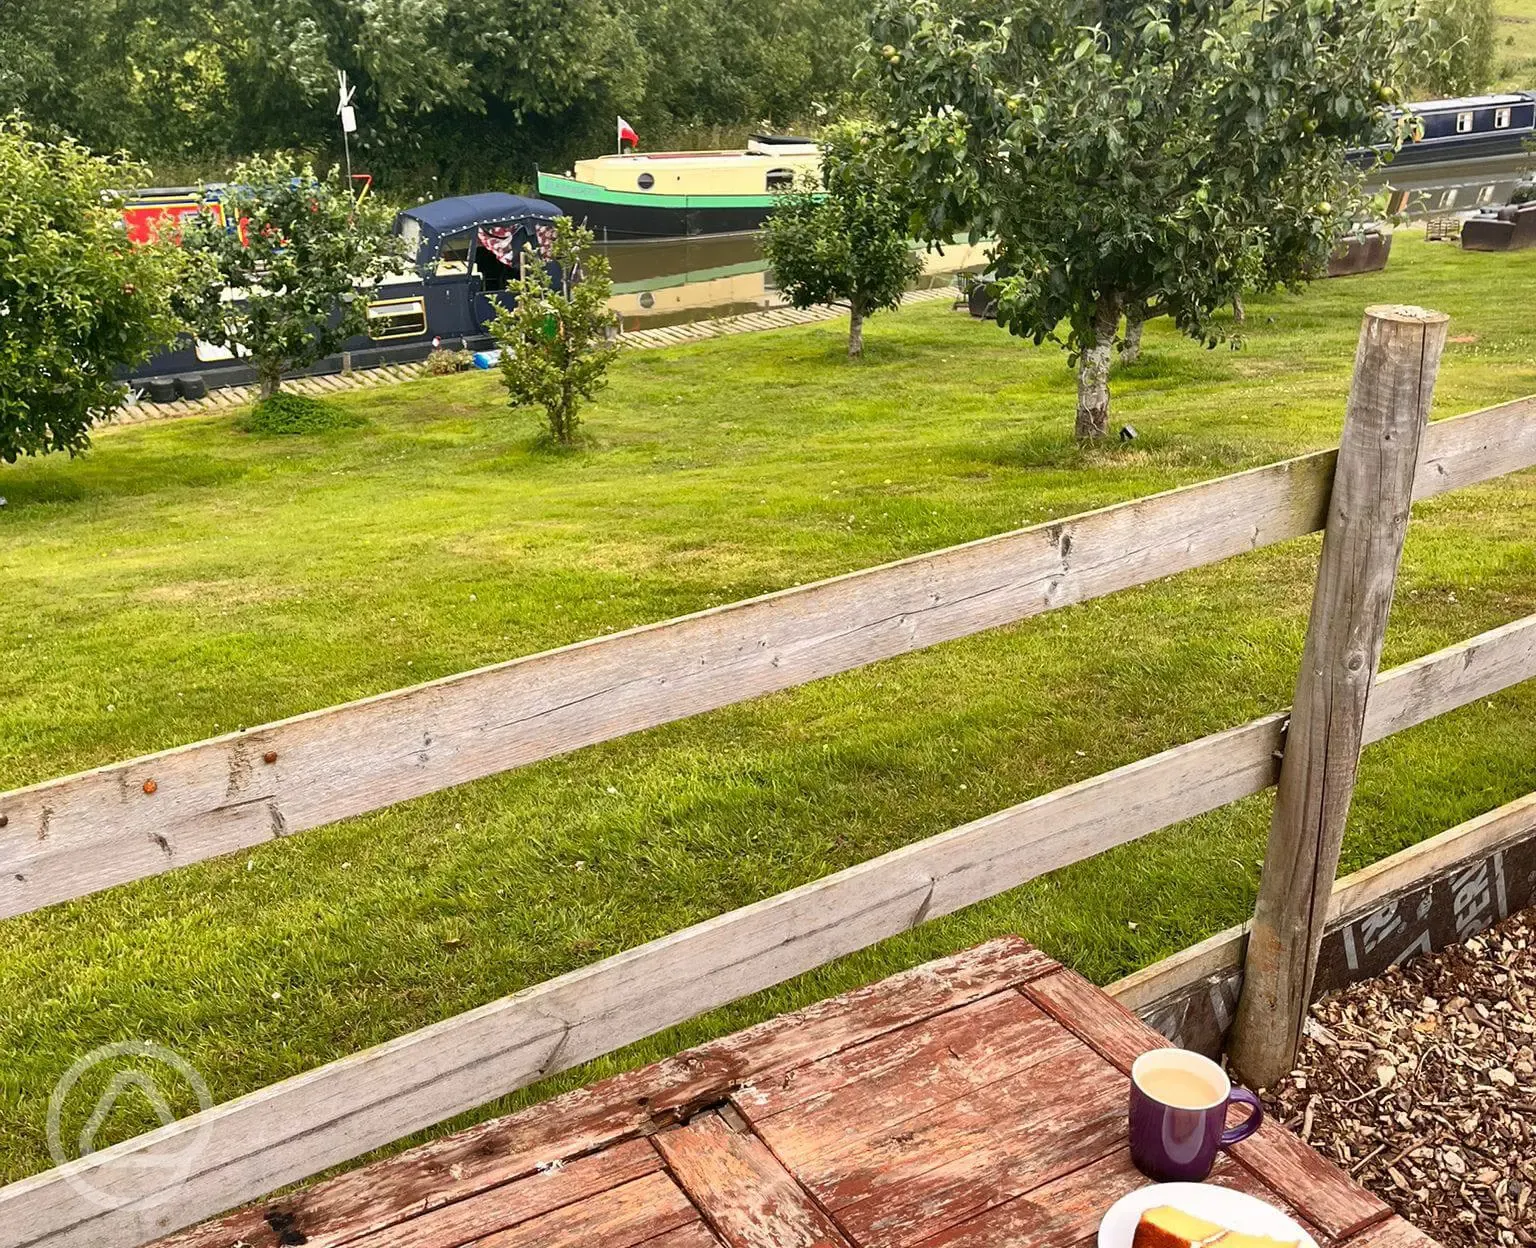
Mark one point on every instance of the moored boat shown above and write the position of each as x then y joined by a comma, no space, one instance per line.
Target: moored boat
462,253
1465,128
641,195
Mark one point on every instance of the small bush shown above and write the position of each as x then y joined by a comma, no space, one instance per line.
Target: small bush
555,339
285,414
442,362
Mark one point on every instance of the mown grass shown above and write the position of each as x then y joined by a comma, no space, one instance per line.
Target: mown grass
1515,45
186,579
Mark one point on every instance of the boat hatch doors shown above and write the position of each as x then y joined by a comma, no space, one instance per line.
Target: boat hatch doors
496,263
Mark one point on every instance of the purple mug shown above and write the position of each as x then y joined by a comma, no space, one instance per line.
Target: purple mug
1179,1105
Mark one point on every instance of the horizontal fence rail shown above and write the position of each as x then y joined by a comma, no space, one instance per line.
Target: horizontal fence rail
78,834
247,1147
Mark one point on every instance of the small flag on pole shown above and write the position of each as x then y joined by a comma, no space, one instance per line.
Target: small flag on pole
627,135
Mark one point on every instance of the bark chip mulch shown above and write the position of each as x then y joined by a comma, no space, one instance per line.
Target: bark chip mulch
1422,1084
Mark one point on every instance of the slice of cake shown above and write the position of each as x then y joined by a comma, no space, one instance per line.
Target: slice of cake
1167,1227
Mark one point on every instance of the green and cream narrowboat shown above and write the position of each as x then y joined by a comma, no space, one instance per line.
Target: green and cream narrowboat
672,194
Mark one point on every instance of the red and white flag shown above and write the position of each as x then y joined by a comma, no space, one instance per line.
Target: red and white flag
627,135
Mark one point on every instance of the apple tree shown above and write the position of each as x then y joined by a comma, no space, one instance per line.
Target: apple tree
845,239
79,303
288,286
1161,156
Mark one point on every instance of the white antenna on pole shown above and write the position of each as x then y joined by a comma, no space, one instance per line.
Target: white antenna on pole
348,116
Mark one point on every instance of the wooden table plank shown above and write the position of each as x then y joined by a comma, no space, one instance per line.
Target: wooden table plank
1324,1194
1395,1232
502,1207
696,1236
342,1209
1104,1024
622,1217
918,1175
747,1196
913,1068
1069,1209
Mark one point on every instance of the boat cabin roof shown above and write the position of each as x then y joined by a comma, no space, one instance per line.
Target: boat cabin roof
465,212
703,160
1465,103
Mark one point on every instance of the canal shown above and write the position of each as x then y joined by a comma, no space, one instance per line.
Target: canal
672,281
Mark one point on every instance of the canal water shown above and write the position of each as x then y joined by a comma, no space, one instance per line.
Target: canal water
672,281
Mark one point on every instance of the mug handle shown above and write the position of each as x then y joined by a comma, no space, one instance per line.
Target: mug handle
1243,1130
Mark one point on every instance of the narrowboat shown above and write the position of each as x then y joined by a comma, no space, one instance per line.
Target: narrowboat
1466,129
463,252
641,195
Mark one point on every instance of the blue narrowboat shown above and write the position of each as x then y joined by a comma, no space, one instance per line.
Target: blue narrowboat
1465,129
464,251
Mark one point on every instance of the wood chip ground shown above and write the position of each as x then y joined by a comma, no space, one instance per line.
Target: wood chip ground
1422,1085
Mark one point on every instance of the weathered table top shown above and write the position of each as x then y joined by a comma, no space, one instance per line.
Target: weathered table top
978,1100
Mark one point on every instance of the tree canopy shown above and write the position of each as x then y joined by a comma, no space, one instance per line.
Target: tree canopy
1174,153
79,303
844,240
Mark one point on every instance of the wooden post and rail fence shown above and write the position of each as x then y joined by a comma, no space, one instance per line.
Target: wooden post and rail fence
79,834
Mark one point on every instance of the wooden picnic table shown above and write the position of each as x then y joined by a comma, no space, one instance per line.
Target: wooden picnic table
974,1102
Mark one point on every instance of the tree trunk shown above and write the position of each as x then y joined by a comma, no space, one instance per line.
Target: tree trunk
1239,313
1135,318
1093,372
269,380
856,333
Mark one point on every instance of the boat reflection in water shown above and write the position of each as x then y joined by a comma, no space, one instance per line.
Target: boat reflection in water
1451,187
677,280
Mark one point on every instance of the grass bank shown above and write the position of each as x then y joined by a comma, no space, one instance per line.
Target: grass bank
1515,45
187,578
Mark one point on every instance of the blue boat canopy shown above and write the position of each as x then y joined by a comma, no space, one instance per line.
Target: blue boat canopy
426,224
465,212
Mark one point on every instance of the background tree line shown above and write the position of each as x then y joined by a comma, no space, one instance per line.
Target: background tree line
460,95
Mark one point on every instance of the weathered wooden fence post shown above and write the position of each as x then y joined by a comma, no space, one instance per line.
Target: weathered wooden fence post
1395,366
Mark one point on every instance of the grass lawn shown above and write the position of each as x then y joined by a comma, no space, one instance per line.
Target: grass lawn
1515,45
184,579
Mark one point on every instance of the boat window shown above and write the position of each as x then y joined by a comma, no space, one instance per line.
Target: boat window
1485,196
397,318
1463,123
1448,199
1501,119
781,179
645,181
453,256
207,353
409,230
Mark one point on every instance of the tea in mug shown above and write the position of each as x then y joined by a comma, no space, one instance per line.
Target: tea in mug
1180,1087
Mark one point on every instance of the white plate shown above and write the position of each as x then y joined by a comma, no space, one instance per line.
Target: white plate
1237,1211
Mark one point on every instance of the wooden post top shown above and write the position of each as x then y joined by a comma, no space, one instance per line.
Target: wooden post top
1405,312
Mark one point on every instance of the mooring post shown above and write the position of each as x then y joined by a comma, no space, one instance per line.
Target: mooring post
1395,366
